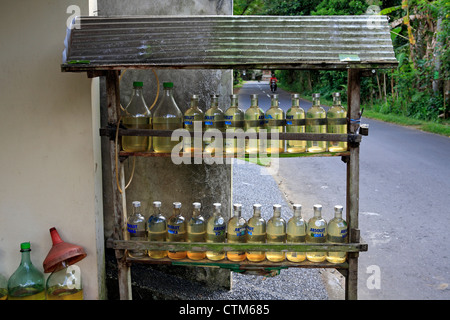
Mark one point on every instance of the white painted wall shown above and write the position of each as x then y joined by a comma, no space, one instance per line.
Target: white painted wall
50,164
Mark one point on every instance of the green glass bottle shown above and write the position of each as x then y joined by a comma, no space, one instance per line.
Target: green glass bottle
273,116
316,123
316,232
65,283
234,119
256,233
295,123
27,282
196,231
136,115
157,230
193,119
214,120
3,288
337,233
276,233
176,231
337,123
254,121
167,116
216,232
296,233
236,233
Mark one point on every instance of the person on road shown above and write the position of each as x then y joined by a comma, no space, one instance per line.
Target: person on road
273,83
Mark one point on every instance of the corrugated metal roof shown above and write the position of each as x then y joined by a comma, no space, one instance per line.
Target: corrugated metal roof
219,41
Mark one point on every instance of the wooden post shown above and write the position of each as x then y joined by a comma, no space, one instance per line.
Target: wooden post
118,198
353,113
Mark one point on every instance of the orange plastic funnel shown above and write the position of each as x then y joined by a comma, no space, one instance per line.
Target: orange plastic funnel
61,251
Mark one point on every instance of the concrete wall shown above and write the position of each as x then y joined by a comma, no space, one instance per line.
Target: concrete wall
50,160
158,178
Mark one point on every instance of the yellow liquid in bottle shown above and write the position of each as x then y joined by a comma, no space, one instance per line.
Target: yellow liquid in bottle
295,113
236,233
337,233
314,125
191,116
234,120
176,232
256,233
316,233
157,236
296,233
276,233
61,293
215,233
136,143
3,294
254,121
28,293
196,233
336,113
164,144
276,146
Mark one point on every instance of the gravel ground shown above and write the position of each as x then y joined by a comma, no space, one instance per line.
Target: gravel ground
251,184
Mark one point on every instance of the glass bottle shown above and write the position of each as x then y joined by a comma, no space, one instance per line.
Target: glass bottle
337,233
65,283
234,120
256,233
137,229
296,233
276,233
176,231
157,230
316,123
273,118
295,123
3,288
316,232
337,123
196,230
214,120
191,116
136,115
27,282
236,233
254,121
215,232
167,116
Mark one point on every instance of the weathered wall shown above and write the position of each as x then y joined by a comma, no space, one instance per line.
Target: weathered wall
158,178
50,149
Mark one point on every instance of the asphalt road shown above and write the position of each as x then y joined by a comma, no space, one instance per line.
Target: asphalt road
404,203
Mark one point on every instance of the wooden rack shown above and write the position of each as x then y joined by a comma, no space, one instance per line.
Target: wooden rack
212,33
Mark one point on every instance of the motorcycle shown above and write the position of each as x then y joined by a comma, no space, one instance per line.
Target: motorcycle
273,85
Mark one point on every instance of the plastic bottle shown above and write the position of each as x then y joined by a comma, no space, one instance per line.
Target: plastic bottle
167,116
157,230
137,229
136,115
27,282
196,229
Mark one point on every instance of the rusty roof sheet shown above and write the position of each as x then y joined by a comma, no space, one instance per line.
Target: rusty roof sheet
273,42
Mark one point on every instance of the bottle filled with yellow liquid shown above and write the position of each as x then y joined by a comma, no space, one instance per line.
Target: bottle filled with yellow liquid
234,120
274,119
256,233
254,121
27,282
216,232
196,230
157,230
193,116
337,123
3,288
276,233
65,283
316,232
337,233
167,116
136,115
214,121
236,233
295,123
316,122
136,227
176,231
296,233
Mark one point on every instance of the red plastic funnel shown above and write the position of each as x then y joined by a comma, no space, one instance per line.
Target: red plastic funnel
61,251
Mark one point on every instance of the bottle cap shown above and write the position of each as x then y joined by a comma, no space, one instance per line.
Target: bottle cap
277,207
336,94
338,208
274,96
136,203
317,207
25,246
237,207
295,96
138,84
254,96
157,204
257,206
233,96
197,205
213,95
297,206
316,95
177,205
168,84
194,96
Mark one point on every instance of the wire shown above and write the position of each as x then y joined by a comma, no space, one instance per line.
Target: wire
117,136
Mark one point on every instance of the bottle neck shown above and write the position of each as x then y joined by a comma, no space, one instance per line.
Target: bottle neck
26,257
317,213
214,102
234,103
168,92
274,103
176,211
195,213
237,213
257,213
194,103
295,103
297,212
157,211
337,101
254,103
316,101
